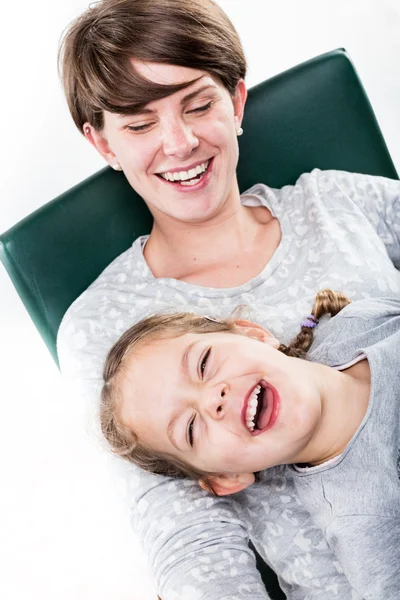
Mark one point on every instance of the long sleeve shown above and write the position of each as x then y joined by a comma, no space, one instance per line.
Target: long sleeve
196,544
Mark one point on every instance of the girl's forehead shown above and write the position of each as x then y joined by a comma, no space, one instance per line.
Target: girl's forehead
156,353
164,354
169,357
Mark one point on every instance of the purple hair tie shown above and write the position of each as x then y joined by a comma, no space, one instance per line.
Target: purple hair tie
310,322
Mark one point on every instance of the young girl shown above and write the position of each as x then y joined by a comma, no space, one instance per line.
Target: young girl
216,401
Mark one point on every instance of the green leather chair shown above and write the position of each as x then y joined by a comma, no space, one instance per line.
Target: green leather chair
313,115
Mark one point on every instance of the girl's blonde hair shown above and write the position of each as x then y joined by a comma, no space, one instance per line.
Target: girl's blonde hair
122,440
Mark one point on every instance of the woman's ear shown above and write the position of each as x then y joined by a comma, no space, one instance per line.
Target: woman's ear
97,139
239,101
256,331
223,485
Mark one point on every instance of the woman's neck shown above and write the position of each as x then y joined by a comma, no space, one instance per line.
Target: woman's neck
345,399
200,252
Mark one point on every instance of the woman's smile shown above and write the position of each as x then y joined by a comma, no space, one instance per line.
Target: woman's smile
190,179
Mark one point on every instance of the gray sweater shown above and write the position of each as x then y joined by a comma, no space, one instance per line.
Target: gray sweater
355,499
339,230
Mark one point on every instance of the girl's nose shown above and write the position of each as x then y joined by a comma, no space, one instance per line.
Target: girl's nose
179,140
215,401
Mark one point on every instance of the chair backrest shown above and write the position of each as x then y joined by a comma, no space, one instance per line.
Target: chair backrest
314,115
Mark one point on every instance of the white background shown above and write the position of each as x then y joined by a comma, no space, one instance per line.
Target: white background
64,531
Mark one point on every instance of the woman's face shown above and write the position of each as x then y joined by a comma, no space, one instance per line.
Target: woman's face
180,153
195,397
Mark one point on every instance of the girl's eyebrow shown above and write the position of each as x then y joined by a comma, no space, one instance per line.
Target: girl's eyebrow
176,414
186,356
171,430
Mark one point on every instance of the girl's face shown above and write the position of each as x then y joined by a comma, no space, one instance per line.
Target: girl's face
180,153
195,397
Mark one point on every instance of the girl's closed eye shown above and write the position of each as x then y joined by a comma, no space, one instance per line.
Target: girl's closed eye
203,363
191,431
202,368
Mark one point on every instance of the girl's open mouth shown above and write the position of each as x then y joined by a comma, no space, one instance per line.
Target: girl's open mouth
261,408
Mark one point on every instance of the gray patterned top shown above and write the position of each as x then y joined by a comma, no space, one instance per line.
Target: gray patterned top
339,230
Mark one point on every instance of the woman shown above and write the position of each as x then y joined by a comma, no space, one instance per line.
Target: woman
157,87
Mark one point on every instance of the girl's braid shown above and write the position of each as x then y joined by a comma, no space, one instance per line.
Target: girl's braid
326,302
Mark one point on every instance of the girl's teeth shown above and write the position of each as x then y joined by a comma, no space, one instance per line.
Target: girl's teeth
252,408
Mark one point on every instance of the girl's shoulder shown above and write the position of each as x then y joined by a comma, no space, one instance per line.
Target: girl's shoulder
356,328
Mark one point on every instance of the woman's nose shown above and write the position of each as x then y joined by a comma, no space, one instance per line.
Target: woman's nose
179,140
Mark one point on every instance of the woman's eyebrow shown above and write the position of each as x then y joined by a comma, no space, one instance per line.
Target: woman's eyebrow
192,95
144,110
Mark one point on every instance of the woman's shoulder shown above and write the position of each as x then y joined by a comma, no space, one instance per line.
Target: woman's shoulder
312,183
365,199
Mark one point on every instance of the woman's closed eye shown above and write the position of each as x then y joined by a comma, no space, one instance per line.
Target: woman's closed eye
146,126
203,108
139,128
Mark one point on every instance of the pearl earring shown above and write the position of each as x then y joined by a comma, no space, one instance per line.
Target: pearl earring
117,167
239,131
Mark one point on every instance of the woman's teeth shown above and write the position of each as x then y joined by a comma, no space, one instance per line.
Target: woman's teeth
183,176
252,408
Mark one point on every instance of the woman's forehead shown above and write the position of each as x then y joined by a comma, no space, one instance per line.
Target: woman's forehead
166,74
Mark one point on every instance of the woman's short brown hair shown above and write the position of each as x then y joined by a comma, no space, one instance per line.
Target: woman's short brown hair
96,49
